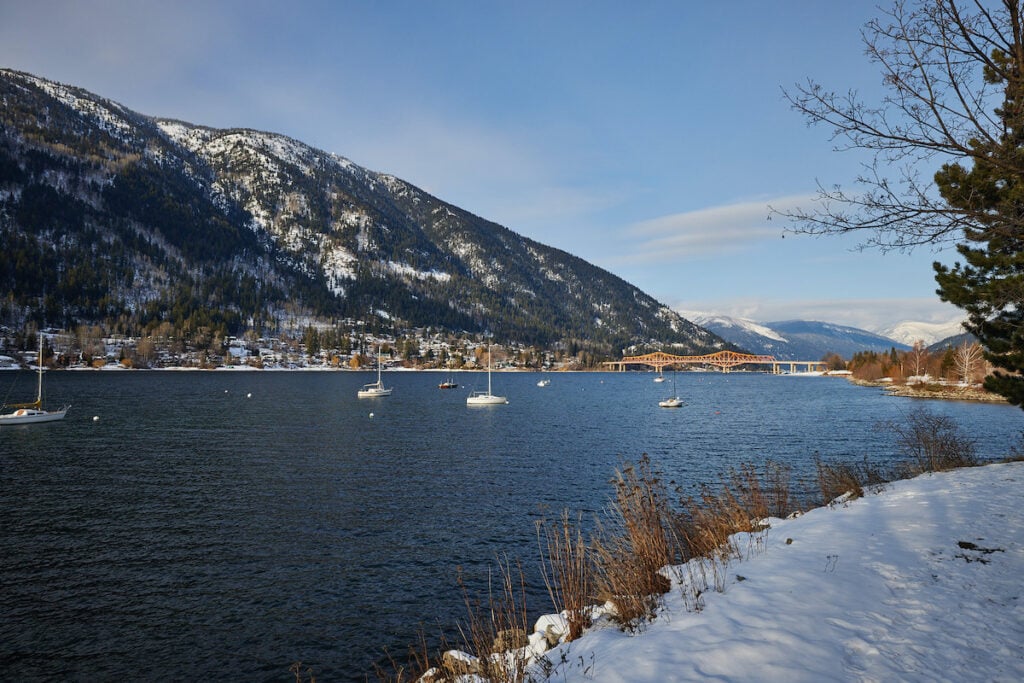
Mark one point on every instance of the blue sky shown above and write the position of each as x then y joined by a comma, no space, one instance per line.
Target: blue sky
646,137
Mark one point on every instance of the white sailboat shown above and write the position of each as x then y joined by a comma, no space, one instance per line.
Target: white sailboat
30,413
672,401
480,398
660,377
376,388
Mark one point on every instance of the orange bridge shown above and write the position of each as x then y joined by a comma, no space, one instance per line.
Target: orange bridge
726,360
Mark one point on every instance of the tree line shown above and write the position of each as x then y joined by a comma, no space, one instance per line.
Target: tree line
960,364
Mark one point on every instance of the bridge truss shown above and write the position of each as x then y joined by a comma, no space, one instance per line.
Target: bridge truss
724,360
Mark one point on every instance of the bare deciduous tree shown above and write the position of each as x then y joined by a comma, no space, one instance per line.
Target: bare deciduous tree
968,359
918,357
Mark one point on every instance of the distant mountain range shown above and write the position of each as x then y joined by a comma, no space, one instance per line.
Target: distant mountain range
111,216
794,339
810,340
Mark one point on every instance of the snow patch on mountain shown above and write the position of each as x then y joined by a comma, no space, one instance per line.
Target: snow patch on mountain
725,322
909,332
104,112
408,271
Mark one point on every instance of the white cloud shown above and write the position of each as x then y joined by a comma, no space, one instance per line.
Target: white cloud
711,231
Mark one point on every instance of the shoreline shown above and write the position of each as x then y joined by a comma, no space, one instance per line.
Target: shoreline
948,392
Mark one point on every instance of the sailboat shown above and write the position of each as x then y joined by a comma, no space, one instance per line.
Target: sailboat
29,413
660,377
672,401
479,398
376,388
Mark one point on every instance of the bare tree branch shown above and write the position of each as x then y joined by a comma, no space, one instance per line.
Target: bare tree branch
945,84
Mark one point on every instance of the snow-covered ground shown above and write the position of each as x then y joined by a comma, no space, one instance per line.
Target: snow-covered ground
923,581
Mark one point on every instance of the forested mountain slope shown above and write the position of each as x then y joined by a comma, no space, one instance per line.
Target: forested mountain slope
113,217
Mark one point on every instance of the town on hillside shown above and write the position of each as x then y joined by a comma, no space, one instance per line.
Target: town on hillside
314,349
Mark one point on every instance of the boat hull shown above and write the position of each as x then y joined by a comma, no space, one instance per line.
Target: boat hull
372,393
31,416
486,400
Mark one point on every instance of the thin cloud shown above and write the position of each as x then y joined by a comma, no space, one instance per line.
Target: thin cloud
714,230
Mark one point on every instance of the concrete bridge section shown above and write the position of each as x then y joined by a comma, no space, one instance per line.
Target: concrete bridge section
725,360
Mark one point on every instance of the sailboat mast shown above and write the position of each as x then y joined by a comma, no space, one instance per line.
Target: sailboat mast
39,365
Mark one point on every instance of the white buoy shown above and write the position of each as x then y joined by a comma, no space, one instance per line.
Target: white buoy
225,391
95,418
249,395
371,416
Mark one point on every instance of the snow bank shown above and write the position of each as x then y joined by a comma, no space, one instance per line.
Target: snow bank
919,582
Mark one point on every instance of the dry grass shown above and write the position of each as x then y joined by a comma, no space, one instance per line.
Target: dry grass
492,636
567,571
745,499
415,667
496,629
928,442
639,540
836,480
302,675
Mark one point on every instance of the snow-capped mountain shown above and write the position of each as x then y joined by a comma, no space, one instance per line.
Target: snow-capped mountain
793,339
909,332
745,334
111,216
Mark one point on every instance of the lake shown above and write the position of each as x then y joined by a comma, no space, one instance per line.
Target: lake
227,524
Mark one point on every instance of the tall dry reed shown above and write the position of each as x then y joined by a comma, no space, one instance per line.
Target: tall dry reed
638,542
568,571
707,522
496,628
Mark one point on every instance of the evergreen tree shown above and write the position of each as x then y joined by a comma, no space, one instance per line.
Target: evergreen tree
989,284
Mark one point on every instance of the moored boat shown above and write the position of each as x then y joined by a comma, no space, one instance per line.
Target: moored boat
672,401
377,388
481,398
32,412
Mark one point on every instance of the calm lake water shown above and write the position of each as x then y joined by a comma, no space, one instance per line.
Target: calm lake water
226,524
